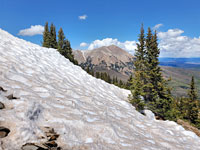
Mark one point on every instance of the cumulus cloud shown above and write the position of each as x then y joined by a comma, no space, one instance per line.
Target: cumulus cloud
83,44
33,30
174,44
156,27
83,17
130,46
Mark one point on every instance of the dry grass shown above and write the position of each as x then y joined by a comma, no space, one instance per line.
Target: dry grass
188,126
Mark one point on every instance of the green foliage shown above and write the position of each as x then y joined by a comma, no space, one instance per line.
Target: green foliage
129,83
46,36
136,95
53,41
148,81
61,39
192,106
188,108
64,47
106,77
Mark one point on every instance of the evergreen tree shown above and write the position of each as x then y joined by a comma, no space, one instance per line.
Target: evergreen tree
97,75
88,70
61,39
53,41
192,93
139,79
148,84
158,94
64,47
109,79
192,104
92,72
116,81
46,36
129,83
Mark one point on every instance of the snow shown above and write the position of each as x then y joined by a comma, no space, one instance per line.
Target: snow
86,112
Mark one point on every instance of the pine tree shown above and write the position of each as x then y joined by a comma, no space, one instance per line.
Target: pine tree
109,79
92,72
46,36
135,98
129,83
61,39
192,93
139,79
64,47
192,104
158,94
88,70
97,75
148,85
53,41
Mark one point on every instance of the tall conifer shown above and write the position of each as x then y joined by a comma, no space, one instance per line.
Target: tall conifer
192,107
139,80
46,36
53,41
61,38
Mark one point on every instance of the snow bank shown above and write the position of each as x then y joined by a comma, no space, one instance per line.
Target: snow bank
86,112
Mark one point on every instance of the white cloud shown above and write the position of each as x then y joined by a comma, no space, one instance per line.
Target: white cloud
156,27
33,30
171,43
83,17
83,44
130,46
174,44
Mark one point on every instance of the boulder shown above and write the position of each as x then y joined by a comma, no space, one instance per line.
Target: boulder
10,97
32,146
1,89
2,106
4,132
50,144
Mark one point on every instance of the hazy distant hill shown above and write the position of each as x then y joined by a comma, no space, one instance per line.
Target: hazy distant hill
188,63
118,62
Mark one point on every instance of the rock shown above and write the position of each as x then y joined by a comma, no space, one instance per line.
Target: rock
10,97
32,146
53,137
2,106
4,132
1,89
50,144
56,148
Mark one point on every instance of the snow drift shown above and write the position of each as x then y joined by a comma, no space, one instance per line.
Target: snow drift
87,113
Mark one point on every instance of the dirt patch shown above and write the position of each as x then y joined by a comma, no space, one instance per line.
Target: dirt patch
189,127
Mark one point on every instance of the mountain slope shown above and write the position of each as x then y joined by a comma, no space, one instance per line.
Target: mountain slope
181,79
111,59
123,67
42,90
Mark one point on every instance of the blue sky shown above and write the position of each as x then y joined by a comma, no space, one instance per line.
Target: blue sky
117,20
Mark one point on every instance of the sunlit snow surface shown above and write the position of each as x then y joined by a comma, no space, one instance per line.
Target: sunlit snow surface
87,112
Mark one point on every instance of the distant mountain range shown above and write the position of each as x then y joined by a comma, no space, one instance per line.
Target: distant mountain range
189,63
118,62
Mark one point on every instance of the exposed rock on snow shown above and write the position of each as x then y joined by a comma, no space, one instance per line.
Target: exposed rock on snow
2,105
4,132
85,112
